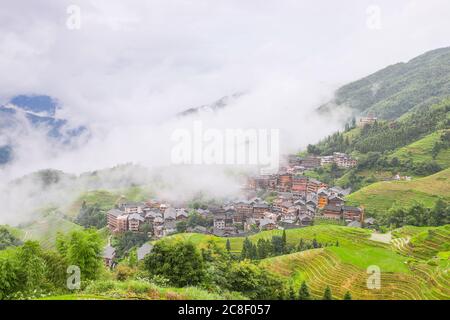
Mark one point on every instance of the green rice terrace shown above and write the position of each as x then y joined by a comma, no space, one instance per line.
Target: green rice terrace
381,196
414,265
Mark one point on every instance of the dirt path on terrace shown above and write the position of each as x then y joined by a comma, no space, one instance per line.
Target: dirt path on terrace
381,237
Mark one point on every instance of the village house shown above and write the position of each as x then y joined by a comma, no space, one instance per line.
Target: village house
108,255
342,160
305,219
284,182
170,214
335,201
112,219
326,160
259,209
182,214
370,223
322,198
310,163
352,213
290,216
158,227
170,226
132,207
151,215
223,221
267,224
144,250
332,212
312,186
299,184
244,210
134,222
363,121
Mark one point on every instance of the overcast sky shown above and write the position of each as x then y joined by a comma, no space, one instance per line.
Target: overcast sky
134,63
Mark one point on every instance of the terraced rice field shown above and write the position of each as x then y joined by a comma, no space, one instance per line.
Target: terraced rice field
346,236
321,268
422,243
409,265
46,229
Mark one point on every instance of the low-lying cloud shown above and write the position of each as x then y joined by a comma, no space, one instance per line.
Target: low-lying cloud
132,66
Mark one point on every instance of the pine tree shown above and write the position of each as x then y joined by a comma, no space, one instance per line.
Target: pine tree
348,296
315,244
228,245
301,245
303,293
284,240
292,295
327,294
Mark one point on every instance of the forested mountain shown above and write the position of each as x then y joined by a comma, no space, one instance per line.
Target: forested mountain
399,88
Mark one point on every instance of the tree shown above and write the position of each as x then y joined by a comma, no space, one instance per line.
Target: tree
291,293
327,294
32,265
315,244
277,245
303,293
127,241
7,239
264,248
253,281
9,274
284,241
347,296
440,214
91,216
228,246
181,263
181,226
83,249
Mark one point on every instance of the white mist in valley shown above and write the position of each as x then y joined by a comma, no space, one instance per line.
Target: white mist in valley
132,66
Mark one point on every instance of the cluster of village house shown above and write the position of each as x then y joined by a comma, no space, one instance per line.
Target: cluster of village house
296,201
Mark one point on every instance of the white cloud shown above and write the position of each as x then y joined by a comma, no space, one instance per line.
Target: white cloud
134,64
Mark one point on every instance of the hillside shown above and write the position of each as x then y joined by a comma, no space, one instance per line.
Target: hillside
422,150
344,267
399,88
381,196
46,229
352,237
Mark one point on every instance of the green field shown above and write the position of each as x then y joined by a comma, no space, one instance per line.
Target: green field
107,199
349,237
421,151
381,196
419,272
139,290
45,230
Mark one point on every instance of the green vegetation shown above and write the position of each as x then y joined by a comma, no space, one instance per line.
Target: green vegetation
46,229
28,271
381,196
180,262
7,238
82,249
422,150
399,88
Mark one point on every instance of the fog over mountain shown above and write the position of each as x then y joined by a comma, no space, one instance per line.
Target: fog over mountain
131,67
